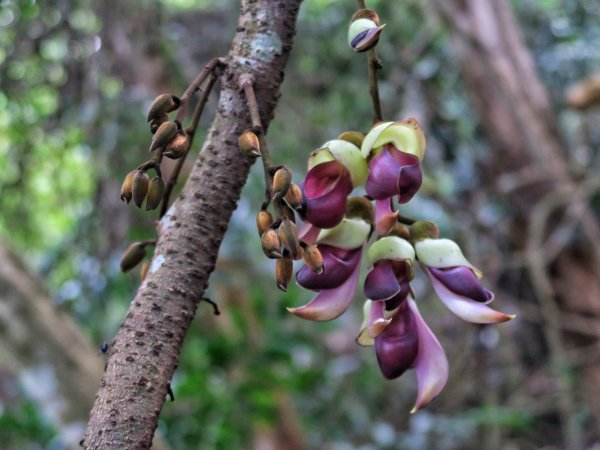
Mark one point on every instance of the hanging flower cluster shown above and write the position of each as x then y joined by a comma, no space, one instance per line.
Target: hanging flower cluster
337,228
334,238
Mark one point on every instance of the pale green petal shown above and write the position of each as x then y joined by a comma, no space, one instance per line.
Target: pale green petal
357,27
390,247
371,137
349,234
406,135
349,155
319,156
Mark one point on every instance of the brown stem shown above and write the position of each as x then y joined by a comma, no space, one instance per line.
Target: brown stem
191,131
146,349
247,85
374,66
195,85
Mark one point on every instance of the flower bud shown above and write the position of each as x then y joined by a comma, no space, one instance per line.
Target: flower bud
264,220
271,244
364,30
127,187
141,182
281,182
284,269
155,193
354,137
288,235
155,123
359,208
132,256
423,229
313,259
165,133
177,147
162,105
249,144
294,196
144,270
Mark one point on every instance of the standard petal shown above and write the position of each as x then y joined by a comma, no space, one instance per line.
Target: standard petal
464,308
398,346
325,190
339,264
385,218
442,253
348,234
330,303
382,282
431,363
462,281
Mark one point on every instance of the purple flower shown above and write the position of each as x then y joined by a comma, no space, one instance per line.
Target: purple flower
394,151
457,282
341,248
333,171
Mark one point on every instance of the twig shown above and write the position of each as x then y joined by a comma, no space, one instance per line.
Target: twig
195,85
374,66
214,305
191,131
247,85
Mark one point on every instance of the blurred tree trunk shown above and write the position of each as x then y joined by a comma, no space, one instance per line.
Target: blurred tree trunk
59,365
529,169
145,352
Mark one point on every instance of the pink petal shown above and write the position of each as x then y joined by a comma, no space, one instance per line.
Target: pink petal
465,308
309,233
325,190
385,218
431,363
398,345
339,264
330,303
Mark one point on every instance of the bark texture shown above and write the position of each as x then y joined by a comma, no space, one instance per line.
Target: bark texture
145,351
529,167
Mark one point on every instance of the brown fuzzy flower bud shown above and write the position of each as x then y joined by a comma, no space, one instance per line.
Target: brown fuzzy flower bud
177,147
313,259
294,196
133,256
162,105
288,234
141,182
264,220
354,137
155,193
271,244
281,182
284,268
165,133
144,270
249,144
126,188
154,124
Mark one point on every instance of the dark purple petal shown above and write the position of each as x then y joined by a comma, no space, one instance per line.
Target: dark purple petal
325,190
381,282
398,346
393,172
338,264
397,300
329,304
462,281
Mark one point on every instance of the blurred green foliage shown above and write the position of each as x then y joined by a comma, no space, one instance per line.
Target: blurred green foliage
72,125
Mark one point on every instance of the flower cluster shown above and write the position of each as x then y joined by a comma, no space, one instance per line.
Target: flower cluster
334,237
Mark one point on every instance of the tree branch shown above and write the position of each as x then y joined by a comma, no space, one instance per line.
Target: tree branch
146,349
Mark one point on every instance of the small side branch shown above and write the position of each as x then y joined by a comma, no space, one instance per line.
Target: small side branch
374,66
